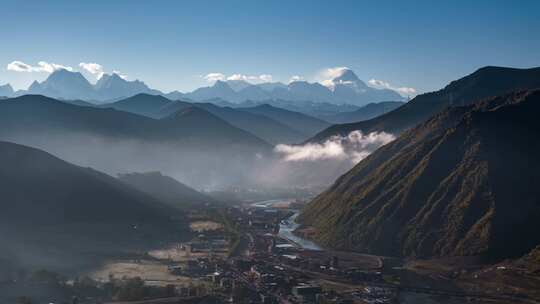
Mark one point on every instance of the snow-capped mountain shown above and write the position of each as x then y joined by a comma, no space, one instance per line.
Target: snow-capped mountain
6,90
64,84
345,88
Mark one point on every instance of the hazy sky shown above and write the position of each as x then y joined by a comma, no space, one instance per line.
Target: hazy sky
173,44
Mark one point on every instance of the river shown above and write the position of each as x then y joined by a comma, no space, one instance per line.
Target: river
287,226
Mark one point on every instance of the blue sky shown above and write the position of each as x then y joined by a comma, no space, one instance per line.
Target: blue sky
173,44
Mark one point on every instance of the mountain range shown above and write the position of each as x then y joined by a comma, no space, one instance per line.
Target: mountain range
182,144
190,125
64,84
485,82
461,171
266,122
345,88
461,183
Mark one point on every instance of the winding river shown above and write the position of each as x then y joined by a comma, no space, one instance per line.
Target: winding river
287,226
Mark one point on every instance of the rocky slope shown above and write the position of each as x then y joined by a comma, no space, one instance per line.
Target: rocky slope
462,183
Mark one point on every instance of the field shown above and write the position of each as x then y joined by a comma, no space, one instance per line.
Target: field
152,272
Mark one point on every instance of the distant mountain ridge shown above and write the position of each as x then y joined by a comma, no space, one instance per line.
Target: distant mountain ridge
285,127
345,89
461,183
64,84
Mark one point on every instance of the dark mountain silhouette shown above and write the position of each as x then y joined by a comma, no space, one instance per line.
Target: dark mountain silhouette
200,126
260,125
156,106
42,114
172,108
142,104
55,214
485,82
78,102
166,189
297,121
192,145
153,106
366,112
461,183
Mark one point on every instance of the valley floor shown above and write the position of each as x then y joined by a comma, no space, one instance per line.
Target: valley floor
249,253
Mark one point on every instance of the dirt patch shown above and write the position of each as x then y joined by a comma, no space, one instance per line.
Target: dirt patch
180,254
202,226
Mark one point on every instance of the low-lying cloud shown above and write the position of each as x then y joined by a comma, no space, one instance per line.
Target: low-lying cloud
353,147
381,84
42,66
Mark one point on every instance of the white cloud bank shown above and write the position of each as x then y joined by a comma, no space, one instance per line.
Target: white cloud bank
93,68
213,77
381,84
120,74
42,66
296,78
354,147
326,76
331,73
98,70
